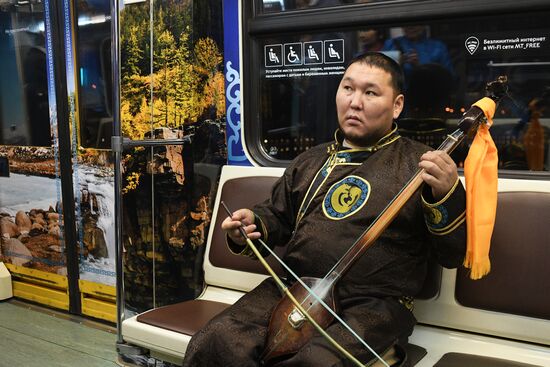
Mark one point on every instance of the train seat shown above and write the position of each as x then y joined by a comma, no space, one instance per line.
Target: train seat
453,330
502,320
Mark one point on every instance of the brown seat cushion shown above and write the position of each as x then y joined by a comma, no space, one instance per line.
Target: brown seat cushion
472,360
414,353
242,192
520,253
186,317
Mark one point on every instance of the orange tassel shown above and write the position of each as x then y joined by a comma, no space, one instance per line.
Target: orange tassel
481,174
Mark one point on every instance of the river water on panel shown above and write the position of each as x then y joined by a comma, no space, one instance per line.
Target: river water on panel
98,182
22,192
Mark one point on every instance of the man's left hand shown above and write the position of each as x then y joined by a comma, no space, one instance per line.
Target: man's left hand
440,172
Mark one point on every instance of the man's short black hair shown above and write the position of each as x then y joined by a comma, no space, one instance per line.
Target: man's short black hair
384,62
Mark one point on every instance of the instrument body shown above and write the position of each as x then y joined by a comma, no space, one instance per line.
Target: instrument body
292,327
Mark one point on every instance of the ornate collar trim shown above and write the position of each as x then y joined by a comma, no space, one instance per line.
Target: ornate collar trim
337,145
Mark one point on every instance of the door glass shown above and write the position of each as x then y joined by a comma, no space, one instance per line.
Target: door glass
93,53
31,219
24,116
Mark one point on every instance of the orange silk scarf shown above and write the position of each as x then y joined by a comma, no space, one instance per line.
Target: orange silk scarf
481,174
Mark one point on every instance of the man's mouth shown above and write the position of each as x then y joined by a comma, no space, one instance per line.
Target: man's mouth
353,119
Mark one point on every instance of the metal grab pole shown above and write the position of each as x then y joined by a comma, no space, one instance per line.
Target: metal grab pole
116,146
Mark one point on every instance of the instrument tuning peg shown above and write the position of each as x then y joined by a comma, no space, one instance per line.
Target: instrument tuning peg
497,88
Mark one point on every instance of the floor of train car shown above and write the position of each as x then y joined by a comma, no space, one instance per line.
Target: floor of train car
33,336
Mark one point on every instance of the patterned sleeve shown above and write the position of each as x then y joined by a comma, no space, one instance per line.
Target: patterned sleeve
446,222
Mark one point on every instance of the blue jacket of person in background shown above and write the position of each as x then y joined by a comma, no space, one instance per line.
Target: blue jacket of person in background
417,49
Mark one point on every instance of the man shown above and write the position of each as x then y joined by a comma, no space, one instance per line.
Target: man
418,49
325,200
371,39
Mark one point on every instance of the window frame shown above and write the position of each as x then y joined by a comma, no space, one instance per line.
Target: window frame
255,24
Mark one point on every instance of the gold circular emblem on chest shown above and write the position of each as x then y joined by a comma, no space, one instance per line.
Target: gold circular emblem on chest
346,197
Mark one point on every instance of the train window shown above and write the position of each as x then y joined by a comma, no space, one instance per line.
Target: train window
446,64
93,52
24,116
274,6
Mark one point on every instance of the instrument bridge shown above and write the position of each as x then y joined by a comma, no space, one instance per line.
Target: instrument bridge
296,318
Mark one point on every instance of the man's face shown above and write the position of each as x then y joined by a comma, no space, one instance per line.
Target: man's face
368,37
415,32
366,104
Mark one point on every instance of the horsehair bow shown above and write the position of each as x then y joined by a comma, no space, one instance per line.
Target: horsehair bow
297,304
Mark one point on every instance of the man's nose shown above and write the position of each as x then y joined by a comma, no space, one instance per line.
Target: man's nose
356,100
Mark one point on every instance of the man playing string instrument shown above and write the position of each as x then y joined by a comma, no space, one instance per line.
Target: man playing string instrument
325,200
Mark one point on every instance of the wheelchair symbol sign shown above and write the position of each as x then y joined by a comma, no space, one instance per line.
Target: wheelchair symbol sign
293,54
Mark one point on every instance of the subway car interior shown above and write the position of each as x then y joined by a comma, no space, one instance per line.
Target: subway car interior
129,129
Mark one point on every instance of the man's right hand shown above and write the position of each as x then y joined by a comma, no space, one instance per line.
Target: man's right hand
240,217
411,57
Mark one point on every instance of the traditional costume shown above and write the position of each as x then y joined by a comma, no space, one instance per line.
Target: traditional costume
325,200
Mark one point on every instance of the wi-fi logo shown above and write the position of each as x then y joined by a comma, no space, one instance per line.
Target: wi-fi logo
472,43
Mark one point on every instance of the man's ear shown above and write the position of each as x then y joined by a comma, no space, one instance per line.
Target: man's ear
398,104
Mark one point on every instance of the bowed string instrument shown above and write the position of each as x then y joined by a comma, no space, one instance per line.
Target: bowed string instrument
310,305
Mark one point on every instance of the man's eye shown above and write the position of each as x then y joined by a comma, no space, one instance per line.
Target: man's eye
347,87
370,93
